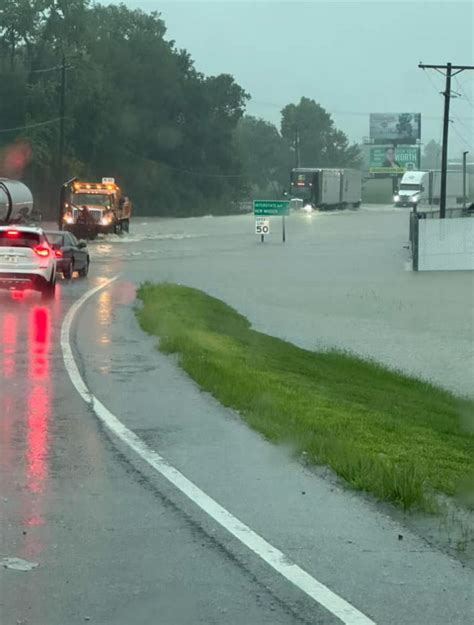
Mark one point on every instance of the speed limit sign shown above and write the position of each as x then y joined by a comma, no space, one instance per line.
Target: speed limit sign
262,226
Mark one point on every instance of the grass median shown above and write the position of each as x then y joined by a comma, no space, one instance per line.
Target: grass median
396,437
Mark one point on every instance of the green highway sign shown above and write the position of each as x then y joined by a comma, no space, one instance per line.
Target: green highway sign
279,208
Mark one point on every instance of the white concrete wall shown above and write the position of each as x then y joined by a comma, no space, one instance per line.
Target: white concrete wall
446,244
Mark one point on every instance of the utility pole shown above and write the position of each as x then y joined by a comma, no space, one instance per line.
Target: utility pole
448,69
297,147
444,150
62,100
464,177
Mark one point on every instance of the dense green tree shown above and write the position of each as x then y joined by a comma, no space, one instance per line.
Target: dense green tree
310,131
136,108
265,155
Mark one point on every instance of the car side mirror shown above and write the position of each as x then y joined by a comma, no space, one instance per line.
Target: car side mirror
82,244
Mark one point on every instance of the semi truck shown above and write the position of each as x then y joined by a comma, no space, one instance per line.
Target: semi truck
90,208
16,202
326,188
423,188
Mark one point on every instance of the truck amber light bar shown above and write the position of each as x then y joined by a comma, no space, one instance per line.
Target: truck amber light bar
94,186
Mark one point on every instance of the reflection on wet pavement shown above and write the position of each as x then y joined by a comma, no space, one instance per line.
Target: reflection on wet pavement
104,317
25,409
39,399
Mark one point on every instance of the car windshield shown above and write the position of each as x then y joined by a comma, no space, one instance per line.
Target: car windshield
17,238
409,187
55,238
91,199
302,178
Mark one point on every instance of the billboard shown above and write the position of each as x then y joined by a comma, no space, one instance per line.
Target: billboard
388,159
397,127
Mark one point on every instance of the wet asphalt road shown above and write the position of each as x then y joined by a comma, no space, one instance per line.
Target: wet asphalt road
115,543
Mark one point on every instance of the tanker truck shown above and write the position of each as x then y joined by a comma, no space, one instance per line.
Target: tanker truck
16,202
90,208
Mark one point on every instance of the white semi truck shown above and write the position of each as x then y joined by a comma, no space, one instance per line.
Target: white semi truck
16,202
326,188
423,188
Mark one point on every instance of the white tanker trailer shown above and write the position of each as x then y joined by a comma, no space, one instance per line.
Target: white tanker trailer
16,202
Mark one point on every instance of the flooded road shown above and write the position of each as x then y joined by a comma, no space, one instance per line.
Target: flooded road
107,540
341,280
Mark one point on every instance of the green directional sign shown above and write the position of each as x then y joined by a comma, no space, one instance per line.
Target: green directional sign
271,207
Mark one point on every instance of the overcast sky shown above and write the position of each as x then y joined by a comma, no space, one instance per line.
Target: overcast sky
352,57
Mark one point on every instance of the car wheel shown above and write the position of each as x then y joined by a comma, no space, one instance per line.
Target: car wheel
85,270
68,271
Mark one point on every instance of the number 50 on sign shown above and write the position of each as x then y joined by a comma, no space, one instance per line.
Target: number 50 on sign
262,226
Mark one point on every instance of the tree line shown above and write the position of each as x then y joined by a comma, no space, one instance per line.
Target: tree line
136,108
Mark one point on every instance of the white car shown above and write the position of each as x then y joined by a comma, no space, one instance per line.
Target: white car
27,260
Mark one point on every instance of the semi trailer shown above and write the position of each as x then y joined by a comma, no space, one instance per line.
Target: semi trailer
326,188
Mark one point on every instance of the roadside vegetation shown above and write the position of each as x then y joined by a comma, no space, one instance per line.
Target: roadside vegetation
396,437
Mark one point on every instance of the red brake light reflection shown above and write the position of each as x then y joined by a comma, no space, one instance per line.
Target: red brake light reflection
58,253
41,250
13,234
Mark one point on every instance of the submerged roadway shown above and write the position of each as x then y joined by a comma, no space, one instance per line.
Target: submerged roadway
130,497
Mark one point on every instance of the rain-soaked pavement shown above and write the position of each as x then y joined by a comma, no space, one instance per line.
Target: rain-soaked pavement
113,541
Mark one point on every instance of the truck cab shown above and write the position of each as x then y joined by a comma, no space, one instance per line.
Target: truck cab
91,208
413,189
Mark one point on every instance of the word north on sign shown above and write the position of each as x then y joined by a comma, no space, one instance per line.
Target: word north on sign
262,225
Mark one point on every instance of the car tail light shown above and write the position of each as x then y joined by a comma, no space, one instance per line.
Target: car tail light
58,253
41,250
13,234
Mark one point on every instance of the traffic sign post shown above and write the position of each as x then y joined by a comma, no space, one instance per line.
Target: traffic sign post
270,208
262,227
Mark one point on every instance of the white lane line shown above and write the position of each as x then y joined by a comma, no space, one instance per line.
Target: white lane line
320,593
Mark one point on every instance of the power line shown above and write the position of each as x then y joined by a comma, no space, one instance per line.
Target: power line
461,89
462,138
353,113
449,71
455,117
433,84
28,126
467,129
197,173
46,69
203,174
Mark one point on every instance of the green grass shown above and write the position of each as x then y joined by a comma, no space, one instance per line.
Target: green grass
383,432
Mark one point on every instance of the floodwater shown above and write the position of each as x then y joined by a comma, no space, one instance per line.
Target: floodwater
341,280
89,533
